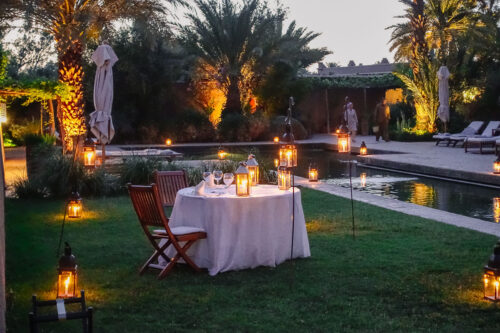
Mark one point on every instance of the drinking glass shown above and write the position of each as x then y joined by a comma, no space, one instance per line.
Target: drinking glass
206,177
217,176
228,179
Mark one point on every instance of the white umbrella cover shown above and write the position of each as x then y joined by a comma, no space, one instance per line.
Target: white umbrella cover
444,94
101,123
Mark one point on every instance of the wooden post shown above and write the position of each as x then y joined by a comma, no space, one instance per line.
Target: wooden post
52,118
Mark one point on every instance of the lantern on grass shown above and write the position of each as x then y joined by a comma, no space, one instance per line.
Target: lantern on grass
313,172
67,274
89,154
284,178
168,142
491,277
496,166
221,153
363,150
75,206
253,169
344,142
242,180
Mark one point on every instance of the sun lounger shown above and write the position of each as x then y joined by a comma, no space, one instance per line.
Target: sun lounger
472,129
487,133
480,143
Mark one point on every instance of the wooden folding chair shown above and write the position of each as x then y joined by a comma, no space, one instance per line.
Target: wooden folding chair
147,205
169,182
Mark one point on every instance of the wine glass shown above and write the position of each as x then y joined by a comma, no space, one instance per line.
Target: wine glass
217,176
206,177
228,179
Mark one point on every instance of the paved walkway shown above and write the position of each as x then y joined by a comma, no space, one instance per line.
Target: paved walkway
405,207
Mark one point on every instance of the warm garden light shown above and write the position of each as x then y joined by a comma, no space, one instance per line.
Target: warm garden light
344,142
276,139
168,142
491,277
242,180
284,178
67,274
89,154
363,150
253,169
496,210
363,179
221,154
288,155
313,173
496,166
276,162
3,113
75,206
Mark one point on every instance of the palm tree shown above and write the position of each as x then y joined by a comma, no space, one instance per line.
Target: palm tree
72,23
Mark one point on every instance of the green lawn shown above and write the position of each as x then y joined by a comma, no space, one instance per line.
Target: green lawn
402,273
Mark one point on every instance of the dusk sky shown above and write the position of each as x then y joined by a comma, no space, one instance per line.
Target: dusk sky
352,29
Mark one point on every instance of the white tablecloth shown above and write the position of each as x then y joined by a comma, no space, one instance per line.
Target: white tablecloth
242,232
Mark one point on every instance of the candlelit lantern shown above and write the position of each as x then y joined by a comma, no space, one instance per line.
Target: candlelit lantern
242,180
75,207
363,150
276,139
168,142
313,173
284,178
337,131
496,166
221,153
363,179
344,142
253,169
496,210
67,274
491,277
89,154
288,156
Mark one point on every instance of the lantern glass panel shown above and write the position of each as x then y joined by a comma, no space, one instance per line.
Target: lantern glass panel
89,156
496,167
66,284
363,151
313,174
222,154
491,281
344,143
254,174
288,156
284,178
242,185
75,208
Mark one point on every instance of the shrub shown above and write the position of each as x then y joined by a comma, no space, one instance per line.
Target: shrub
410,136
258,127
234,127
192,126
139,170
278,127
26,189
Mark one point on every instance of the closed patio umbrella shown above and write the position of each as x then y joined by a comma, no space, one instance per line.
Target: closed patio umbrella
101,123
444,95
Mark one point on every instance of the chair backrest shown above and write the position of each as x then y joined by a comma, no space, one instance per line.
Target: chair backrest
492,125
147,205
169,182
473,128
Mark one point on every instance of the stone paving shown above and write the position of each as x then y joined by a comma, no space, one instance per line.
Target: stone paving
405,207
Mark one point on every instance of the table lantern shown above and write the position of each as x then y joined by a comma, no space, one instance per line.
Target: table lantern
67,274
496,166
89,154
288,155
276,139
313,172
253,169
284,178
221,153
75,207
363,150
344,142
242,180
168,142
491,277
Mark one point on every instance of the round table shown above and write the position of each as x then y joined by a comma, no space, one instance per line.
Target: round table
242,232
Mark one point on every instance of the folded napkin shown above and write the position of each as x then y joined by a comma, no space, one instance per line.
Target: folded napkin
211,182
200,188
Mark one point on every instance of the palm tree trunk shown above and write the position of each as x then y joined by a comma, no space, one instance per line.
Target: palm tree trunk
233,98
72,117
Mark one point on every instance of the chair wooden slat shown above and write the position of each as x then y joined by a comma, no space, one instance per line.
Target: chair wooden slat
148,206
169,182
